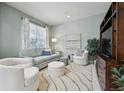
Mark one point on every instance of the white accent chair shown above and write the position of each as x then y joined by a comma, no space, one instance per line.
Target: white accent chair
81,60
17,74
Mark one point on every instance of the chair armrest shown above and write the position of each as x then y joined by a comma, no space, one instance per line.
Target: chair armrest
11,78
25,62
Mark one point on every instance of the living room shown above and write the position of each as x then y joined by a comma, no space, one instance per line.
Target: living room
44,40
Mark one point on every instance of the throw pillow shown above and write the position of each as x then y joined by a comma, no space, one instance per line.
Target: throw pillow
45,53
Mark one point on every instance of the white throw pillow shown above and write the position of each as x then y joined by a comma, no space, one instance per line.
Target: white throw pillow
29,52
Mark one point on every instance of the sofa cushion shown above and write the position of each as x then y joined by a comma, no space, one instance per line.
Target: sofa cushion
41,59
29,53
35,52
30,74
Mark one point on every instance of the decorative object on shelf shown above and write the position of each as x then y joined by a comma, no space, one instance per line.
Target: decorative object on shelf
92,47
118,76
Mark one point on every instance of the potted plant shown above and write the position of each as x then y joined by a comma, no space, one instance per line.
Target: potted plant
92,47
118,77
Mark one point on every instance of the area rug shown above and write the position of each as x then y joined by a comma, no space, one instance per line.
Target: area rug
76,78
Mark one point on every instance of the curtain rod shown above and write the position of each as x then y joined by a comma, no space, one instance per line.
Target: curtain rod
34,22
37,23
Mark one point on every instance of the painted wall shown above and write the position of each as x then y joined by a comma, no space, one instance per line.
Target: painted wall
10,30
88,27
0,31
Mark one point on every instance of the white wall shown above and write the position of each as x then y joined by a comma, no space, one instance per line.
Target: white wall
10,30
88,27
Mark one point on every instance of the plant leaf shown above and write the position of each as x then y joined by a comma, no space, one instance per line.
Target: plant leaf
116,72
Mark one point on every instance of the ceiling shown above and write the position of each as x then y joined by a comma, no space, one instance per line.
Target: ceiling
54,13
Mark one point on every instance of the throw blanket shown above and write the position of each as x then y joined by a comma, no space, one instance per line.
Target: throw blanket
77,78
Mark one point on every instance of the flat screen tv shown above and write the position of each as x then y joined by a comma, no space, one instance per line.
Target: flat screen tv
107,42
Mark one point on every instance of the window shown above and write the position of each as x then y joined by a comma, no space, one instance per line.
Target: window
33,35
37,36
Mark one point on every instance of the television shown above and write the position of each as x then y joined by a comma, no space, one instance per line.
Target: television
107,42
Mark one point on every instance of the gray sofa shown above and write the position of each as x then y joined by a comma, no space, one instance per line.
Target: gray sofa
37,59
42,61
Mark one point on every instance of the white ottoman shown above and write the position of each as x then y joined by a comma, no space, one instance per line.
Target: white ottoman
56,69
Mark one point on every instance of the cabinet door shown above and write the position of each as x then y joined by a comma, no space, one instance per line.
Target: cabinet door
101,66
109,80
120,38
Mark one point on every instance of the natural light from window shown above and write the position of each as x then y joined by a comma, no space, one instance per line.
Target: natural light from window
37,36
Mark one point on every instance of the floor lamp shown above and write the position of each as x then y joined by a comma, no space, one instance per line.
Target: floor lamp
54,40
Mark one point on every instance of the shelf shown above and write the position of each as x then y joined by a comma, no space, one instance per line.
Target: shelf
108,20
114,18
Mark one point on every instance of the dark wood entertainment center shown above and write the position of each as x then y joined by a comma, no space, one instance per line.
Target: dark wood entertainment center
114,18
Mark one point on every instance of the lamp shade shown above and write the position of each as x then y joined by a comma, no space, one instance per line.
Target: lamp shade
54,40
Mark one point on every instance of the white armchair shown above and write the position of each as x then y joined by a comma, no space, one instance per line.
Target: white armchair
18,74
81,60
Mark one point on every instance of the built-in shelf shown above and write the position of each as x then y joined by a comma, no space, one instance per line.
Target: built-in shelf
109,19
114,18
